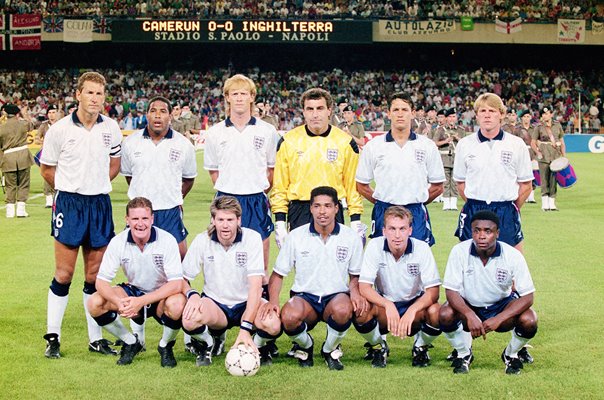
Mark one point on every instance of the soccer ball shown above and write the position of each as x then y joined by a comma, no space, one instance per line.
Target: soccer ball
241,361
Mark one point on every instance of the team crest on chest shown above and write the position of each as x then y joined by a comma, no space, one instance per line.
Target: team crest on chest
420,155
332,155
174,155
413,269
107,139
258,142
241,258
506,157
158,260
341,253
501,275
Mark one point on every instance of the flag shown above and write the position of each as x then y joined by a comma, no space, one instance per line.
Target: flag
20,32
467,23
53,24
508,27
102,25
571,30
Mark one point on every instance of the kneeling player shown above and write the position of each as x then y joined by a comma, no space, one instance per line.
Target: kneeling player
150,260
231,259
327,258
479,280
406,278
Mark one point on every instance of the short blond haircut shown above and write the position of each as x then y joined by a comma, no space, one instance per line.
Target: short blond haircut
91,76
398,212
239,81
490,100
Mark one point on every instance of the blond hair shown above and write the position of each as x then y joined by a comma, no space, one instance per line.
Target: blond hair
490,100
398,212
239,81
223,203
91,76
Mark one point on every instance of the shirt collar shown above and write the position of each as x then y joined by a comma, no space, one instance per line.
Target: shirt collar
496,253
408,250
230,123
335,231
76,120
169,135
324,134
390,138
483,139
152,238
238,237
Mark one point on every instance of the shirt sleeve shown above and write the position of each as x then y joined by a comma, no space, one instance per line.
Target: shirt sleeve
356,258
454,270
428,269
52,146
111,262
370,267
522,276
193,261
126,162
190,166
459,165
172,264
210,152
365,168
286,258
436,171
255,263
271,150
524,169
116,143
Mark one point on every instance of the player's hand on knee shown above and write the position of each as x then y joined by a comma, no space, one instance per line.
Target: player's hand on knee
194,306
406,323
392,317
268,311
475,327
360,305
280,233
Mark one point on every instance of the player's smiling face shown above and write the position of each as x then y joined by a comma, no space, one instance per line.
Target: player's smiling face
91,98
226,223
158,118
484,235
316,115
240,101
397,231
140,221
323,211
489,119
400,114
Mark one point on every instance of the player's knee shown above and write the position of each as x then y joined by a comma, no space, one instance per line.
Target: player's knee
527,324
95,305
270,325
174,305
432,315
58,288
190,324
341,312
291,318
446,316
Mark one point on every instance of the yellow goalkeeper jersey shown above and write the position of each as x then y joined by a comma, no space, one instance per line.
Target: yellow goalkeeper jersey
305,161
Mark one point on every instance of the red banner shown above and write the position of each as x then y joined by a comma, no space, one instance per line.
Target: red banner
21,32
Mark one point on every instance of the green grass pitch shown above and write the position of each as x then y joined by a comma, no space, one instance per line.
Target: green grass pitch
564,253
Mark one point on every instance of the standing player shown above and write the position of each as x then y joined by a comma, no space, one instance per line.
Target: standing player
493,172
17,160
548,144
240,156
150,260
81,156
327,259
406,168
159,164
312,155
231,261
406,281
489,288
53,116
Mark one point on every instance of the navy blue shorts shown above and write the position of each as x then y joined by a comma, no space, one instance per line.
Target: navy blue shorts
150,310
510,230
403,306
485,313
318,303
233,314
79,220
255,213
171,221
422,230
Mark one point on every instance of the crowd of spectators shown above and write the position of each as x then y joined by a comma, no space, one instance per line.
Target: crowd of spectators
367,91
529,10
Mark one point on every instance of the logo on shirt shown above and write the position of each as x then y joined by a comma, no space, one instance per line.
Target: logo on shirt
174,155
125,262
413,269
258,142
332,155
138,154
158,261
506,157
382,265
501,275
241,258
107,139
420,155
210,259
341,253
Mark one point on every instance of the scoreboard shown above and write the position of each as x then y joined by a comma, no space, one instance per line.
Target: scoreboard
241,31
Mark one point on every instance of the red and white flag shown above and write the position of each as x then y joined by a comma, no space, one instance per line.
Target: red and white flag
21,32
508,27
